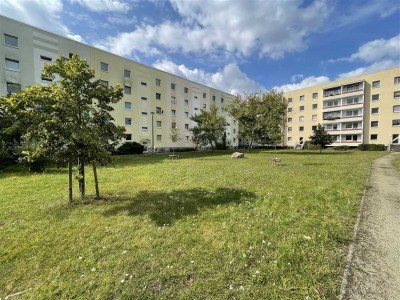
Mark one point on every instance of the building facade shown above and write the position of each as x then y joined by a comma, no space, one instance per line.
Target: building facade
153,99
359,110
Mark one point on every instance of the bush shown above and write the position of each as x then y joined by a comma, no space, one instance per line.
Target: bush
220,146
309,146
184,149
342,148
371,147
129,148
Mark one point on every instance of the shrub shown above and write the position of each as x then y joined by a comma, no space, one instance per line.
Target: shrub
185,149
129,148
371,147
309,146
342,148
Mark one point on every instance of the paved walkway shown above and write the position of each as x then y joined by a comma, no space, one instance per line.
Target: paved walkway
375,266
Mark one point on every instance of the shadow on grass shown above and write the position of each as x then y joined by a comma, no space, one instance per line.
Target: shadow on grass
166,208
305,152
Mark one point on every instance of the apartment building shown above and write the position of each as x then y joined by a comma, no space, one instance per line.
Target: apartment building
153,99
359,110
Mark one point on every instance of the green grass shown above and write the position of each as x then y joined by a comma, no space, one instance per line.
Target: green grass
396,162
203,227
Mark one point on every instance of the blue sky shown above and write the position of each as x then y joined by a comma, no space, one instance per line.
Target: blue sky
233,45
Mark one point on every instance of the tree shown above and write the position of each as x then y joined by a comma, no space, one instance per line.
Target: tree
260,116
321,138
174,135
209,128
69,119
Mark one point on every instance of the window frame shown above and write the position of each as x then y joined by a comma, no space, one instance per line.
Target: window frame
103,64
14,61
11,36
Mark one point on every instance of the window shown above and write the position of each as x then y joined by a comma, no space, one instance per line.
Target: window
222,100
375,97
128,121
186,90
196,108
301,119
143,98
70,55
158,96
187,126
128,105
186,102
173,99
374,137
289,100
159,137
301,108
375,110
315,106
195,97
313,128
10,40
158,82
302,98
158,124
12,64
374,123
315,95
289,120
396,95
376,84
213,98
173,124
234,130
187,138
301,128
397,80
143,83
172,86
104,82
158,111
103,67
144,128
314,117
204,95
144,114
45,58
13,88
127,73
395,139
289,139
289,129
204,105
289,109
396,122
396,108
173,112
186,114
127,89
128,137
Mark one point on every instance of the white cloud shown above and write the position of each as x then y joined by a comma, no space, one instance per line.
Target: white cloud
230,79
377,66
44,14
76,37
306,82
240,28
103,5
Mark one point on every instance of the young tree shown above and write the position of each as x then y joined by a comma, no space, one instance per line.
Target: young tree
260,116
69,119
209,128
321,138
175,136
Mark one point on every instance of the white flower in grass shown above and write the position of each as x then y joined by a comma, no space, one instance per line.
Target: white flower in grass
241,287
231,287
93,269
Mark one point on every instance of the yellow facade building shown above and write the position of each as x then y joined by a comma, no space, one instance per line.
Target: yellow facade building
359,110
153,99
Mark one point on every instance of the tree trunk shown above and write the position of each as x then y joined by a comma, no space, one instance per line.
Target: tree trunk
96,181
81,180
70,196
250,144
212,146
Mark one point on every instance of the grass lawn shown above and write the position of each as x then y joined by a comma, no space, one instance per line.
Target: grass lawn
202,227
396,162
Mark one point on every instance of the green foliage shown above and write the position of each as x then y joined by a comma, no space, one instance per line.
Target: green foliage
210,127
342,148
321,138
371,147
309,146
129,148
260,116
68,120
223,222
174,135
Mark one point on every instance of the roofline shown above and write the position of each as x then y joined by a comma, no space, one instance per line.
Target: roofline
108,52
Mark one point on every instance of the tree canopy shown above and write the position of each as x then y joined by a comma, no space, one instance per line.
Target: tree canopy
321,137
210,127
69,119
261,117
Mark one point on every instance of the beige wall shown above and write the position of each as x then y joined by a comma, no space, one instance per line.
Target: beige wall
385,116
